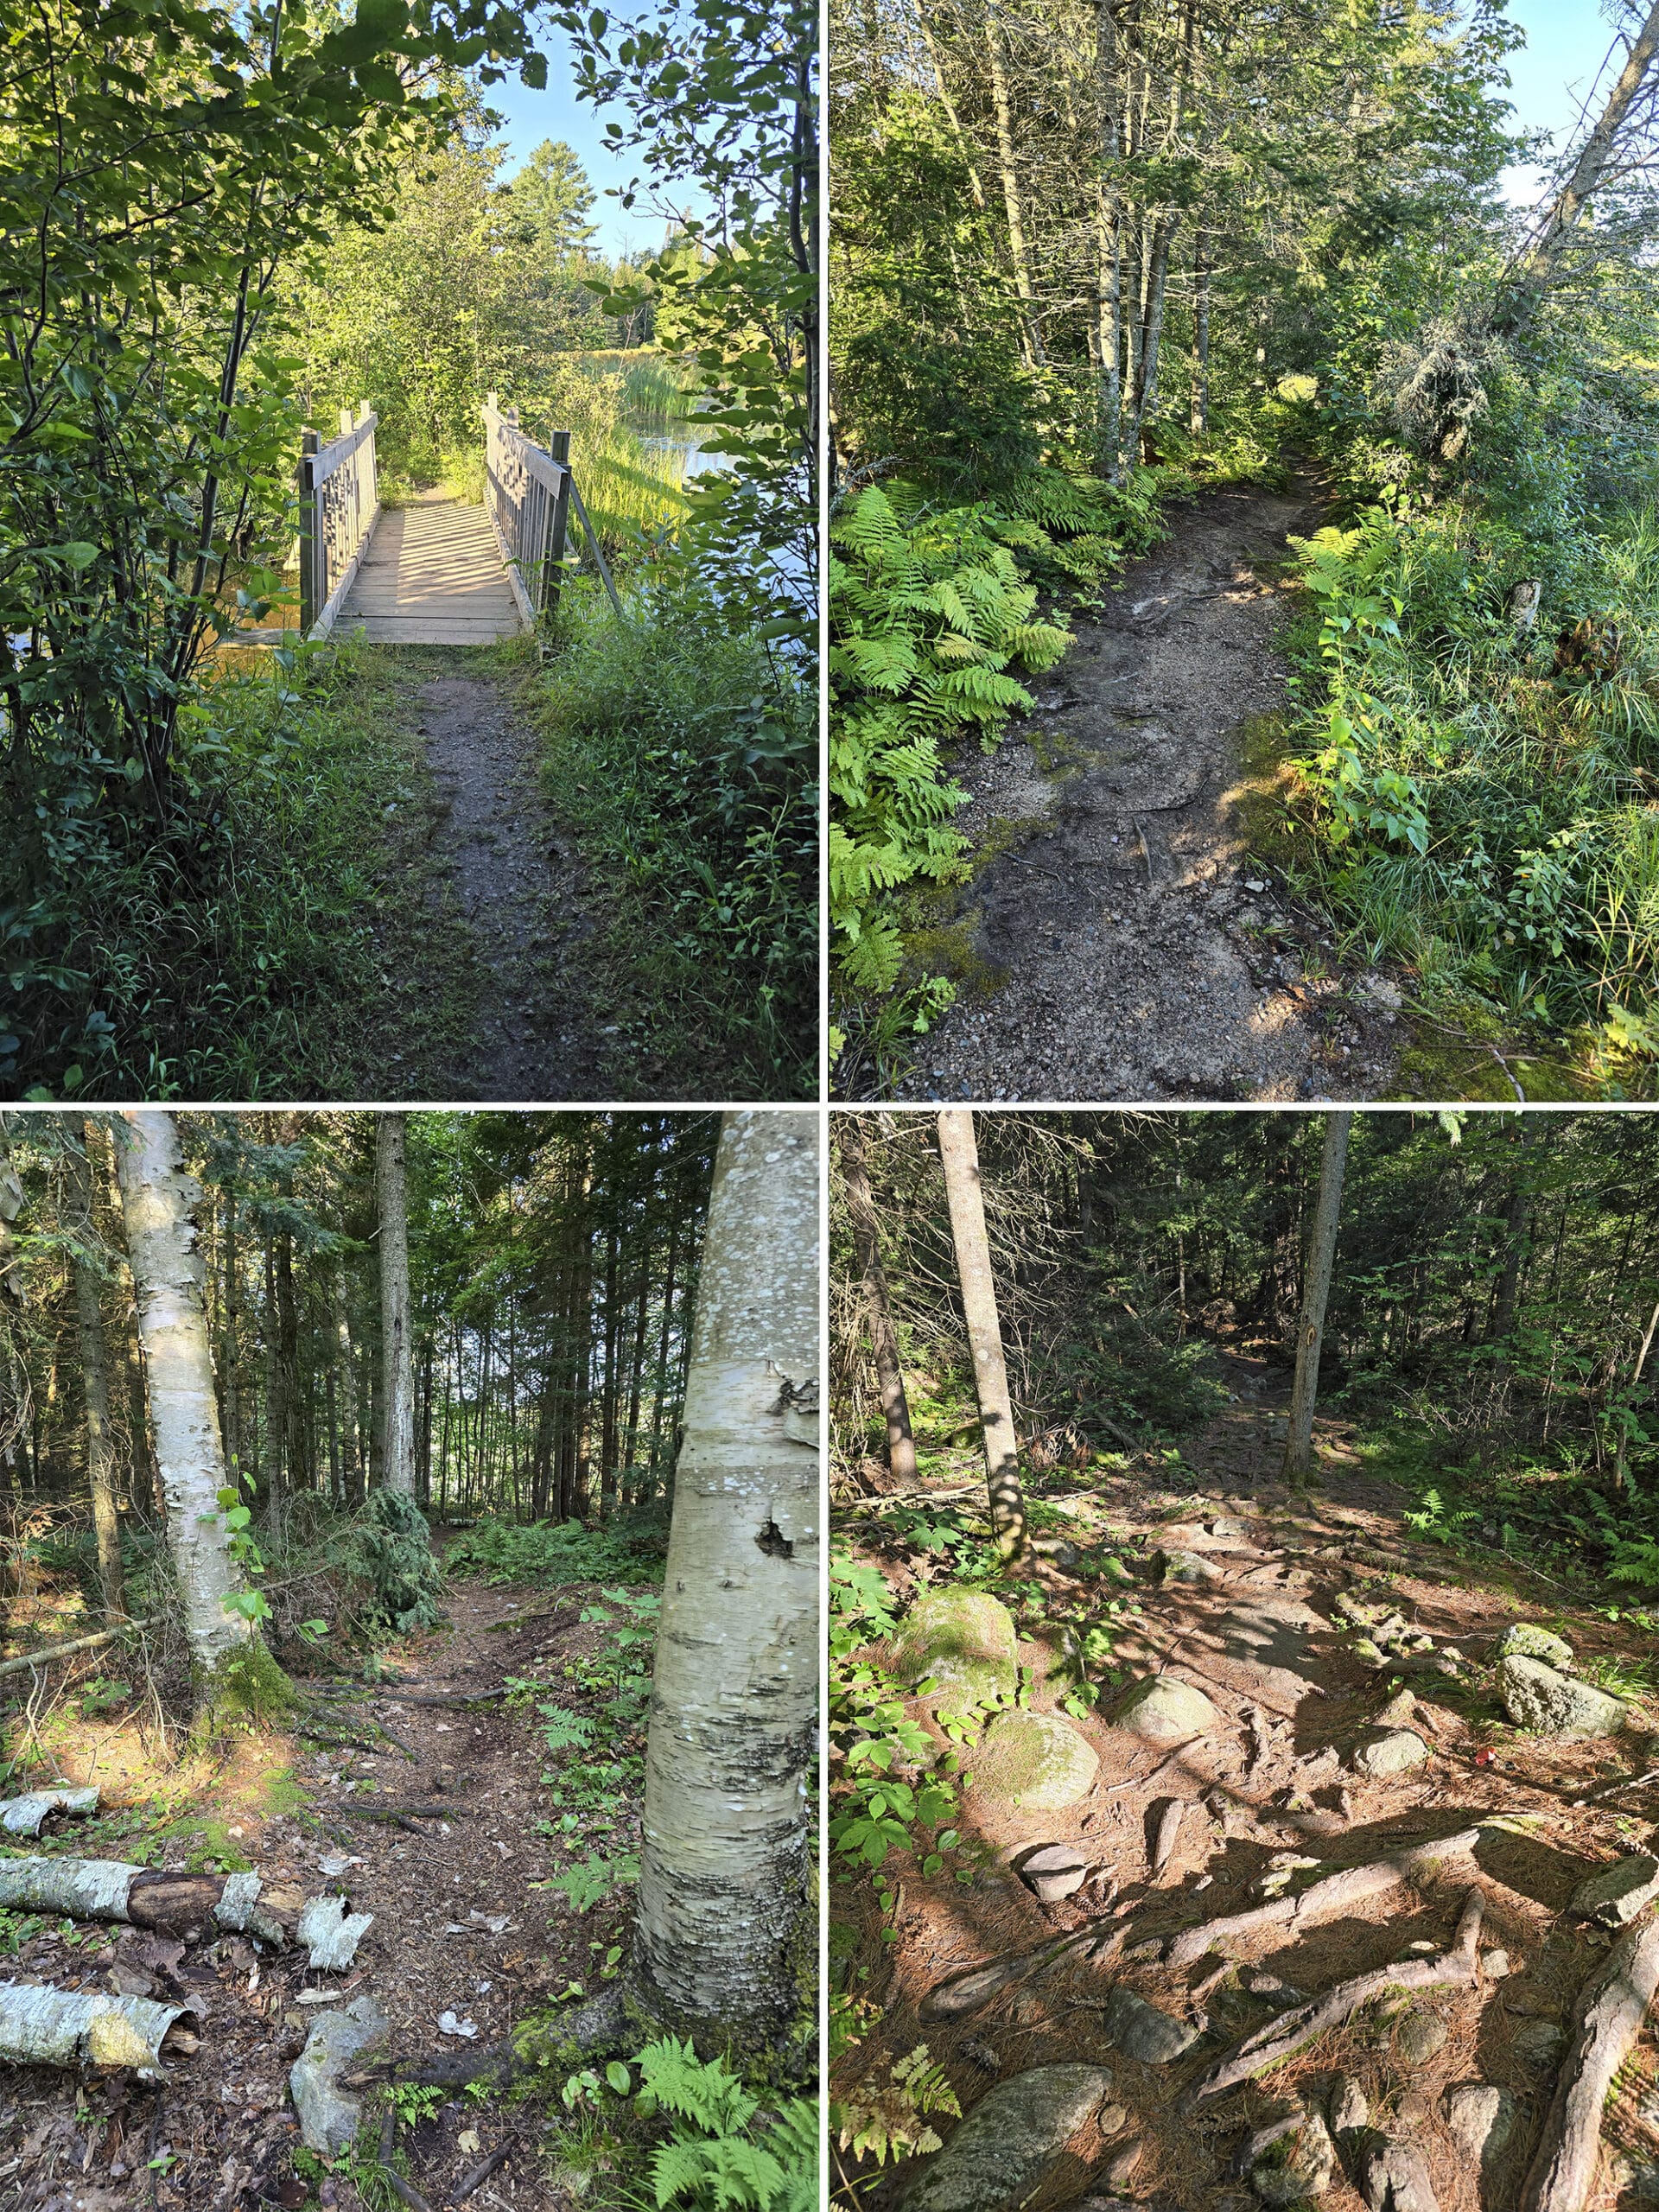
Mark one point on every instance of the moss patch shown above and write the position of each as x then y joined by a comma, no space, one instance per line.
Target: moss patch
246,1685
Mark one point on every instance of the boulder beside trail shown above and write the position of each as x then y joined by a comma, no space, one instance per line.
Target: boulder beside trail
1549,1703
997,2157
1521,1640
1034,1760
1166,1711
964,1641
1395,1752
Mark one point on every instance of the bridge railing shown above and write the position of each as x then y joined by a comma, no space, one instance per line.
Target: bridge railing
340,505
528,493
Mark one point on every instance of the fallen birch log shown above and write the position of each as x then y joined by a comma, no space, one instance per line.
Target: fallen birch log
1612,2007
23,1816
179,1905
41,2026
66,1650
1348,1885
1288,2032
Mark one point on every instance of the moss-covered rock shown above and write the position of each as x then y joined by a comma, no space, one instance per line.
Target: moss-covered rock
963,1642
1521,1640
1035,1761
1166,1711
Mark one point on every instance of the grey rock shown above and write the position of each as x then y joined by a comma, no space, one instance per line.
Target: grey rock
999,2154
1166,1711
1111,2117
1523,1641
1538,2040
1035,1760
1141,2032
1301,2163
329,2118
1619,1892
1394,1753
1480,2120
1186,1567
1419,2036
963,1641
1495,1965
1053,1872
1537,1697
1348,2109
1393,2178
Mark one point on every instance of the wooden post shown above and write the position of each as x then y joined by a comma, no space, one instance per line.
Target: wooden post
310,604
558,447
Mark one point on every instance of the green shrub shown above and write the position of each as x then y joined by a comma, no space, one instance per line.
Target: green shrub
628,1549
684,756
391,1549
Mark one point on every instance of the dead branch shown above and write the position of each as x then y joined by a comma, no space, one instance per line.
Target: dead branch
445,1697
1287,2032
1612,2007
64,1650
1169,1826
1348,1885
479,2174
1142,1781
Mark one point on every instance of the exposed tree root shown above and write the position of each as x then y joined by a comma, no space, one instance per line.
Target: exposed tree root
1348,1885
1612,2007
1281,2037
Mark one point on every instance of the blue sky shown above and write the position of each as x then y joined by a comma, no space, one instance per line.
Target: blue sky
1554,72
556,113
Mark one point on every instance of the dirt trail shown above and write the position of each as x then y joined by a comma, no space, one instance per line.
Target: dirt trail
1267,1628
1115,945
517,879
459,1927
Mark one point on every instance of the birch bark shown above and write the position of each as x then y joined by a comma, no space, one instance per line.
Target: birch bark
726,1864
392,1185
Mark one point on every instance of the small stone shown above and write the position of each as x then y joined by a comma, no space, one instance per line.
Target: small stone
1538,2040
999,2155
1535,1697
1301,2163
1419,2036
1141,2032
1053,1872
1411,2109
1479,2120
1395,1753
1523,1641
1120,2167
1620,1891
329,2118
1348,2108
1184,1567
1395,2179
1495,1965
1034,1760
1399,1712
1166,1711
1111,2117
1363,1648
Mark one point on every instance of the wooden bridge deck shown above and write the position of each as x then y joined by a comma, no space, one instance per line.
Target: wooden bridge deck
432,576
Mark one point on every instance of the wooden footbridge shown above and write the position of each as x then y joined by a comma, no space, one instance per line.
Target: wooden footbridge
435,572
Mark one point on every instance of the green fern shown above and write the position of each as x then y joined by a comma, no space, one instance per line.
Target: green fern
714,2158
931,612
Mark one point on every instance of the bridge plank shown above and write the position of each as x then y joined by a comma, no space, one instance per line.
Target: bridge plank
432,576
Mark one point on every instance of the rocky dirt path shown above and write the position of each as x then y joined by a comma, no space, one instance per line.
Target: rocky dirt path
1296,1694
463,1935
1115,944
517,878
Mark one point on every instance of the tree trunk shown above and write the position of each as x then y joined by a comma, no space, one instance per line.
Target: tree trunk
961,1157
95,1379
726,1862
1200,410
1108,223
1316,1292
1031,329
398,1391
878,1317
159,1200
1588,171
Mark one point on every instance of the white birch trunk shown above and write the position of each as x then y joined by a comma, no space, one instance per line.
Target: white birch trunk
960,1156
392,1188
1316,1293
723,1933
158,1203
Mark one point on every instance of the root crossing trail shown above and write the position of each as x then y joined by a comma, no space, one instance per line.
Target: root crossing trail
517,882
1114,942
